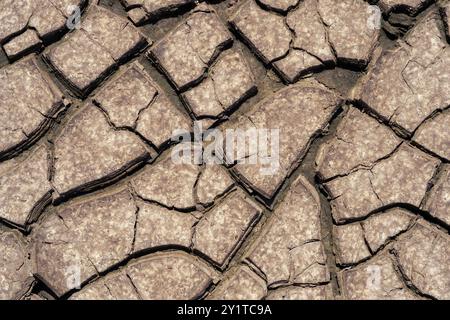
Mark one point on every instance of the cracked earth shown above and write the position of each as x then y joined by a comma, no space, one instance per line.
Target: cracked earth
92,206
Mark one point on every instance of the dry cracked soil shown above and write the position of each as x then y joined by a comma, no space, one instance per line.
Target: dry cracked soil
92,205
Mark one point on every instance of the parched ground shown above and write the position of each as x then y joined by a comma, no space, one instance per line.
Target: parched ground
92,206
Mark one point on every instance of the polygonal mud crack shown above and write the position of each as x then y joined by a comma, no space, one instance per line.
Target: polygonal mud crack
311,37
133,100
155,277
290,250
434,135
88,55
438,201
230,82
25,24
189,50
15,267
84,240
402,178
285,111
376,279
207,166
102,153
423,257
243,284
408,84
26,189
29,102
